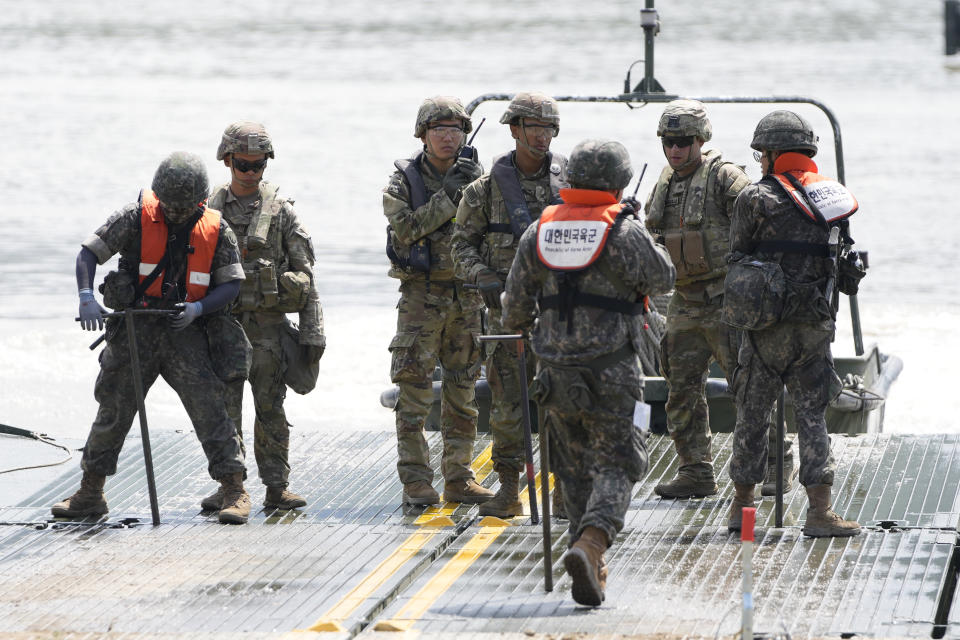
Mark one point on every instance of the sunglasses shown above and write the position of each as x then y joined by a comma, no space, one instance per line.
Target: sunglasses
540,130
445,130
681,142
245,166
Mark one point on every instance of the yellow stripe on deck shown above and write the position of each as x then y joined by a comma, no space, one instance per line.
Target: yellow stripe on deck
431,518
420,603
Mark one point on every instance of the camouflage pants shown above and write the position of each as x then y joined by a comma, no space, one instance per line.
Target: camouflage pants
271,431
506,404
797,356
183,360
595,450
431,326
695,336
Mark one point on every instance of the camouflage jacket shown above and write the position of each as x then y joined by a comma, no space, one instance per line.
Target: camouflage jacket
630,254
275,249
704,208
763,211
475,247
121,234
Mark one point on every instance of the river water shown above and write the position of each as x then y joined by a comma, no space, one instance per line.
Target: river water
95,94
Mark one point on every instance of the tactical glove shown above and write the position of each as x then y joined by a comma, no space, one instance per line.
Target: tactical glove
460,175
91,313
488,282
189,311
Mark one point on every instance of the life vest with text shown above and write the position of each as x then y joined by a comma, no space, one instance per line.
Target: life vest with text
821,198
153,246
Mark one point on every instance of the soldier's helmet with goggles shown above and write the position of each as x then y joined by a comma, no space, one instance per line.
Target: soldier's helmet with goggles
784,131
536,106
599,164
440,108
685,118
245,137
181,181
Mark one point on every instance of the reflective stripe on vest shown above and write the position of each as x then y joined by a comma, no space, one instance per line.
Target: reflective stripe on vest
833,200
153,245
571,237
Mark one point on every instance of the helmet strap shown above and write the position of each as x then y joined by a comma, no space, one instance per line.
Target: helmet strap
522,141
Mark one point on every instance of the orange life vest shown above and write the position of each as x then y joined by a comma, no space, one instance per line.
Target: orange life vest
153,245
571,236
833,200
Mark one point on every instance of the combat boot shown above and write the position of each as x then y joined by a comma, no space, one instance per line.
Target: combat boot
420,492
506,503
822,521
213,501
235,508
692,481
744,497
584,563
466,491
280,498
769,487
87,501
556,502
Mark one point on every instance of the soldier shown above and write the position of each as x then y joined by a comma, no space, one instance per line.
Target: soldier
588,289
278,263
775,222
152,238
493,214
437,317
689,212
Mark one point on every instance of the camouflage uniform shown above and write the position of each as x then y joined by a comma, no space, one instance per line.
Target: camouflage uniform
278,262
182,358
589,381
437,319
475,248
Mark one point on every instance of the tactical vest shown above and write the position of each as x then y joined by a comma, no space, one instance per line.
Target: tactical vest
153,247
512,209
417,256
698,247
261,252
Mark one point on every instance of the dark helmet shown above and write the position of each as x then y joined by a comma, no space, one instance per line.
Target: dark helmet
440,108
537,106
599,164
685,118
245,137
181,181
784,131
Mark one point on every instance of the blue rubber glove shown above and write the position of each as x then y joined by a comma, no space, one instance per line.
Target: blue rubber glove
91,313
189,311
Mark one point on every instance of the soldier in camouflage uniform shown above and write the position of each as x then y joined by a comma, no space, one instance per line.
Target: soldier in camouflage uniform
493,214
437,317
769,226
199,283
689,212
278,262
588,295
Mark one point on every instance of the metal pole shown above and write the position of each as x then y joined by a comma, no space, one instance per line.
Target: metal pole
545,484
778,502
746,540
142,412
855,320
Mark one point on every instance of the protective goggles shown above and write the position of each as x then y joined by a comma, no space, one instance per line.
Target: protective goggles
445,130
540,130
245,166
681,142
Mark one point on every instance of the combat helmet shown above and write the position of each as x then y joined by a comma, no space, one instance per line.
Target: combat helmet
599,164
181,181
245,137
440,108
537,106
784,131
685,118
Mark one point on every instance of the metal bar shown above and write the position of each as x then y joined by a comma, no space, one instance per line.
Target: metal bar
545,485
855,320
142,411
778,502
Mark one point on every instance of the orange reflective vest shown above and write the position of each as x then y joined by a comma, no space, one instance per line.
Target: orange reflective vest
153,245
571,236
796,172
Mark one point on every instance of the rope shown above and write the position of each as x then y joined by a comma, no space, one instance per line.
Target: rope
40,437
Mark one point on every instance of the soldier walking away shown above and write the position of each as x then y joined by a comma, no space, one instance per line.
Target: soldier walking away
782,288
689,211
278,259
493,214
175,253
437,318
580,295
